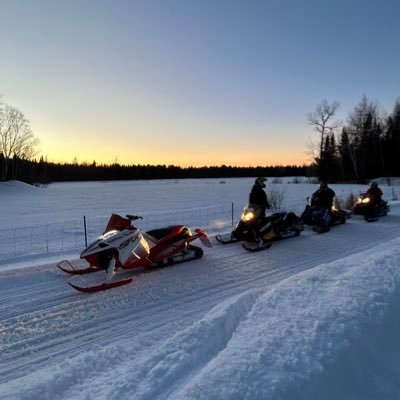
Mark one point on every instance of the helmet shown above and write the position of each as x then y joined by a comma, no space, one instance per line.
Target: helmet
323,185
374,184
260,181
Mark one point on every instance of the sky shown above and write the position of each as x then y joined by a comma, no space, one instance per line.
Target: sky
192,83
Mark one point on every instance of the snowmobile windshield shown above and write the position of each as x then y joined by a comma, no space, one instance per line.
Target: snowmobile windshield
116,222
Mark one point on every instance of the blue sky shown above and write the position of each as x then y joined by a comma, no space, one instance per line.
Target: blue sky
192,82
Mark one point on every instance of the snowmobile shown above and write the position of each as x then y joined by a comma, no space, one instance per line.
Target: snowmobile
320,218
370,212
122,246
277,226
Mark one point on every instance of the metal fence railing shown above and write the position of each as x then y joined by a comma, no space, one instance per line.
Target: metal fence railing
70,235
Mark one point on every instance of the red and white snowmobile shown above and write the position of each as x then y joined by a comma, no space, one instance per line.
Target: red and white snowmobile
123,246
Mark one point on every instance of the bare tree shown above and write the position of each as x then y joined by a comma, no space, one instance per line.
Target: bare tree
276,198
362,111
17,141
323,122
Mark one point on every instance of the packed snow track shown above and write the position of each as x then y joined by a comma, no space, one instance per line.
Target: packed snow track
44,321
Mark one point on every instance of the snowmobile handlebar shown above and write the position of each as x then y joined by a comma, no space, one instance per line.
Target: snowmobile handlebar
133,217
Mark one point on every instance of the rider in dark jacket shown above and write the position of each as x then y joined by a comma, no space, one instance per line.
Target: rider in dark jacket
375,194
375,199
324,196
258,195
320,207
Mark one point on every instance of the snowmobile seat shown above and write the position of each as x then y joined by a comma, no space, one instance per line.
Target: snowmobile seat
175,232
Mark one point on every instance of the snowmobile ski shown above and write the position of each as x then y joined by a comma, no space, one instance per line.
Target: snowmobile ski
255,247
226,239
101,287
70,269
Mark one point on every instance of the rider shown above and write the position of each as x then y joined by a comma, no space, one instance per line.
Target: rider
258,197
324,196
374,193
321,199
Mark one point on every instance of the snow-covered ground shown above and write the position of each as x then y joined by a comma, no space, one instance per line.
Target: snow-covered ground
313,317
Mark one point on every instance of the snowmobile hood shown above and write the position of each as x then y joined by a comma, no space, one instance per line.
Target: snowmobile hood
109,240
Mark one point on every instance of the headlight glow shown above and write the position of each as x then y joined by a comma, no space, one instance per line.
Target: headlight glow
247,216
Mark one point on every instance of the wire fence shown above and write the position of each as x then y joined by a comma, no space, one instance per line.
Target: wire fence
73,234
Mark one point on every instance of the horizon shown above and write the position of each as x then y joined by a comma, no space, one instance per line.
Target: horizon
191,84
160,163
116,162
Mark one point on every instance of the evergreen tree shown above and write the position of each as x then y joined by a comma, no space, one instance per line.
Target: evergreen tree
392,141
329,162
346,157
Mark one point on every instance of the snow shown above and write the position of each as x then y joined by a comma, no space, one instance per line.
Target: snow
313,317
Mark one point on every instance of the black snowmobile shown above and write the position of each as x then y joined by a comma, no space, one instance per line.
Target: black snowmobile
370,212
320,218
277,226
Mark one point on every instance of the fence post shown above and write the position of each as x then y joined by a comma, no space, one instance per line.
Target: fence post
47,238
14,241
84,227
232,213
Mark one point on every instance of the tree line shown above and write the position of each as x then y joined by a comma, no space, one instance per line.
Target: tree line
365,146
18,151
44,172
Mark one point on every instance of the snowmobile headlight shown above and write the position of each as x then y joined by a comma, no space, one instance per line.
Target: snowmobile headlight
365,200
333,208
248,216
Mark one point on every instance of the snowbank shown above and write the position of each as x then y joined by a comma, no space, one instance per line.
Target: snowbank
16,187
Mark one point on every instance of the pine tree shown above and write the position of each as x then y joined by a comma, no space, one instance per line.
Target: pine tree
348,164
392,141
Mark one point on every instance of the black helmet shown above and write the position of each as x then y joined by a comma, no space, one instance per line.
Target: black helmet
260,181
323,185
374,184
